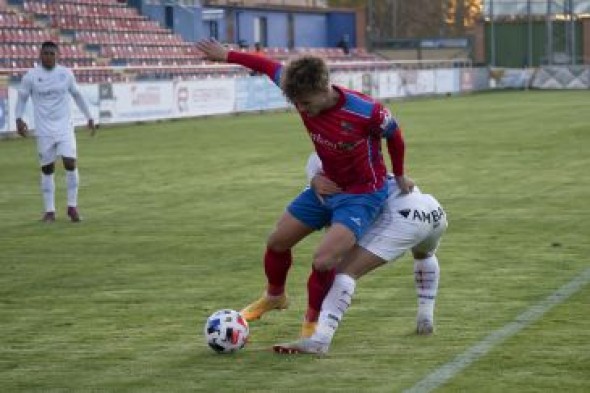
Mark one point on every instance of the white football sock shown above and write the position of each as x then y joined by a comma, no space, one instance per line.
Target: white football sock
48,191
72,181
426,276
334,306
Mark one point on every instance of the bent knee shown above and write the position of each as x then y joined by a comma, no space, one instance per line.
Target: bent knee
48,169
277,243
69,164
323,262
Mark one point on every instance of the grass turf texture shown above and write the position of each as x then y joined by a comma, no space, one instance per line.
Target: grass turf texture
176,216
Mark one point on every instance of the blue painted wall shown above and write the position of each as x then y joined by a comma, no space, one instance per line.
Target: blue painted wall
310,30
135,3
154,12
276,27
221,28
339,24
187,22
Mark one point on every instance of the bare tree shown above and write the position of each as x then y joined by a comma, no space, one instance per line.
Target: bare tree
417,18
407,19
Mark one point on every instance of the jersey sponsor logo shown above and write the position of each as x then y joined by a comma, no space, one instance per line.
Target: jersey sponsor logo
347,146
320,140
405,212
432,217
49,93
343,146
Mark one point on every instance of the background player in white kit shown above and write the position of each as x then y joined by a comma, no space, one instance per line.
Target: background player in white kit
49,85
413,221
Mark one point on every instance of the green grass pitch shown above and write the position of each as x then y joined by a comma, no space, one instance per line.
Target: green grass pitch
176,216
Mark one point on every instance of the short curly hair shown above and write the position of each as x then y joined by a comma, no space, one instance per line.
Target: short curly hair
304,75
49,45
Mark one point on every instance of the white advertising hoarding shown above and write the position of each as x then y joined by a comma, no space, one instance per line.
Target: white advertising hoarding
144,101
204,97
124,102
447,81
258,93
389,85
424,82
351,80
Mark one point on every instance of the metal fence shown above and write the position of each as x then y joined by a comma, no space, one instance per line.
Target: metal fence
554,24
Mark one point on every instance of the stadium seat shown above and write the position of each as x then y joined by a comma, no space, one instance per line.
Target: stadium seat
110,32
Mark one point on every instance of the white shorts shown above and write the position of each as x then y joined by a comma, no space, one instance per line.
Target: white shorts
50,147
408,222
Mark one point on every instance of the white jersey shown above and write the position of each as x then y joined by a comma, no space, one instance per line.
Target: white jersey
413,221
49,90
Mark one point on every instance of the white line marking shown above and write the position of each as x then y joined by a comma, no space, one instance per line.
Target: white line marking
444,373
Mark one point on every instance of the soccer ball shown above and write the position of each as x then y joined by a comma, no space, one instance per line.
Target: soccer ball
226,331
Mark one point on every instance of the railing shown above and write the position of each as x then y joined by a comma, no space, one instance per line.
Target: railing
167,72
290,3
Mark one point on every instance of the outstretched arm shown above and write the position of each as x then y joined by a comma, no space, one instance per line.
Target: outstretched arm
214,51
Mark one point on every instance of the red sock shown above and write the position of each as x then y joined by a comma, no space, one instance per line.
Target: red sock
318,285
276,267
312,315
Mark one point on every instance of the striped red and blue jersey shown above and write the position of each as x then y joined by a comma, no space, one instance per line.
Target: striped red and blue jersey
347,137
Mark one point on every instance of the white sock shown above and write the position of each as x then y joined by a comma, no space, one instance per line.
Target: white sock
426,276
72,181
334,306
48,191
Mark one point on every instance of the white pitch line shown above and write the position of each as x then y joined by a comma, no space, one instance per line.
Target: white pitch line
444,373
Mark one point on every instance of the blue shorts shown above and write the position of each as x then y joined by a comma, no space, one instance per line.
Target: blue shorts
355,211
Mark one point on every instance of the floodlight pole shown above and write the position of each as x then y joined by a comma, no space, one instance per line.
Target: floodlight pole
572,31
549,32
530,34
492,35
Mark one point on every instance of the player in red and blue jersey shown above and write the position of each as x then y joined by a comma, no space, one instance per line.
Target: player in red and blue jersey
346,128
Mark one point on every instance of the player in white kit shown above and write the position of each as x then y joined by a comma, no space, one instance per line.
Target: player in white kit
49,86
409,222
